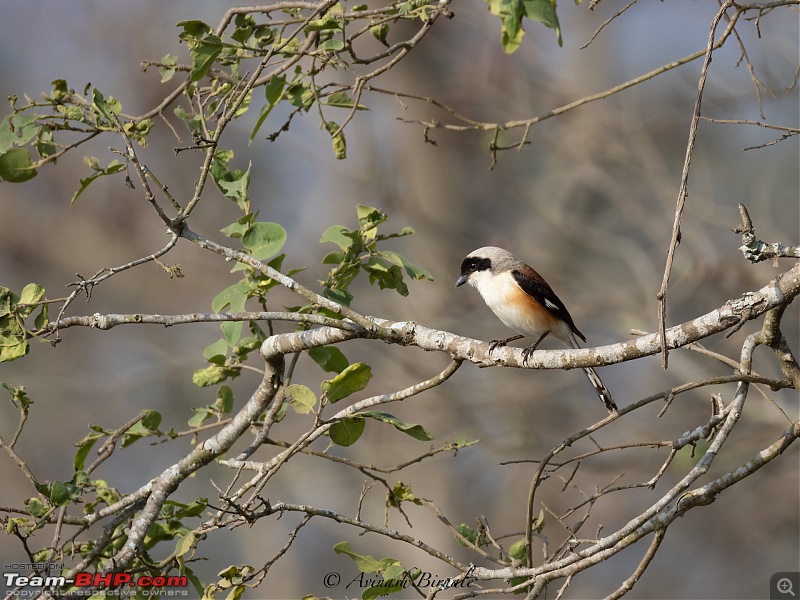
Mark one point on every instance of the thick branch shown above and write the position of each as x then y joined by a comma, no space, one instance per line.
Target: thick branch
168,481
751,305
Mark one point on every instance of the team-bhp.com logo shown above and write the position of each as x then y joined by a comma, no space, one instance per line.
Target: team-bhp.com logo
94,580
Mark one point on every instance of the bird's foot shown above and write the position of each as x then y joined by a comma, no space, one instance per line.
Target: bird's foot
494,344
526,354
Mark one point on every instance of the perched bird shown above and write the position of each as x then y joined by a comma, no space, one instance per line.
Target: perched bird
523,300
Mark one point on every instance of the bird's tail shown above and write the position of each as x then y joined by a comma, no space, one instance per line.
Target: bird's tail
601,389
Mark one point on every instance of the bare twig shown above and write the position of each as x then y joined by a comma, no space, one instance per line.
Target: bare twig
754,249
683,192
606,22
628,584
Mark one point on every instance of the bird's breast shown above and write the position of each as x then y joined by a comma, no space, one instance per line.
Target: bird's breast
516,309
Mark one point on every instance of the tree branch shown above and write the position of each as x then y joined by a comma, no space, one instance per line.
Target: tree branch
683,191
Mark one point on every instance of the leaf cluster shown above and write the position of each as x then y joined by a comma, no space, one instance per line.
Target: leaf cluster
14,311
358,252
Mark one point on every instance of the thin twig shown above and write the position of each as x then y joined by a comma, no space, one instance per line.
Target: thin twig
684,185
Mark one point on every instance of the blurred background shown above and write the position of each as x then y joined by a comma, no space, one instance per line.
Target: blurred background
589,203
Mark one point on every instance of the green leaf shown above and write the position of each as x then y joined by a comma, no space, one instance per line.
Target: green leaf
185,544
416,431
19,397
232,330
235,188
193,509
224,401
31,294
99,104
413,271
168,70
84,447
204,52
274,89
35,507
365,564
351,380
105,107
192,122
146,426
193,29
113,167
12,348
236,593
233,298
339,296
238,228
390,569
200,416
300,95
245,347
44,142
330,358
402,492
16,166
60,90
333,258
517,550
379,32
232,184
347,431
369,218
242,34
342,99
511,13
273,92
331,45
538,522
301,398
151,419
263,35
213,375
8,302
337,139
391,278
336,234
13,337
18,130
245,105
57,492
138,130
393,569
8,136
42,319
467,532
329,21
105,493
386,587
213,352
264,240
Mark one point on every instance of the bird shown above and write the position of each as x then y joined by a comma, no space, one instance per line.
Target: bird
525,303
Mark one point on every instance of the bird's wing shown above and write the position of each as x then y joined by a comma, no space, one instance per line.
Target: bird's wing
537,288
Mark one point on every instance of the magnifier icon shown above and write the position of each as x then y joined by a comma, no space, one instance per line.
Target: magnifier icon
784,586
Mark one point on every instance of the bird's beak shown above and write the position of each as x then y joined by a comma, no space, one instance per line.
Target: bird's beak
462,280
